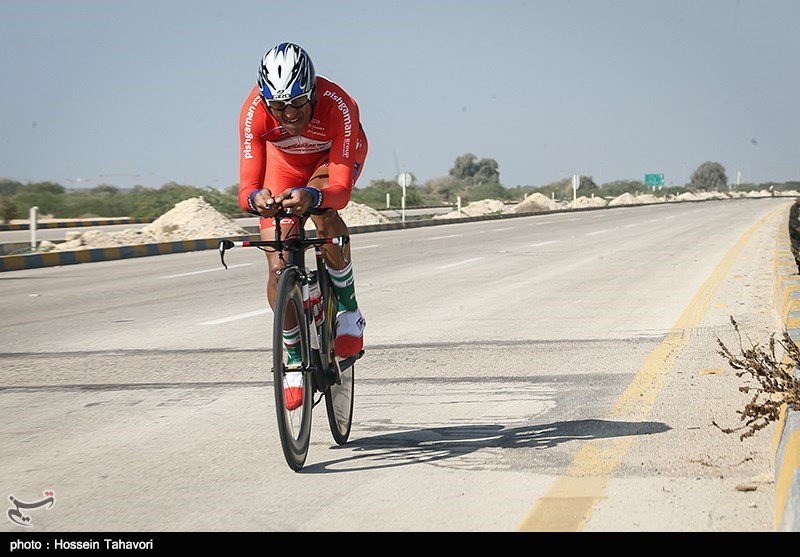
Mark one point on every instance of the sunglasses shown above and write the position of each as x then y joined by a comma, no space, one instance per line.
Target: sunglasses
297,102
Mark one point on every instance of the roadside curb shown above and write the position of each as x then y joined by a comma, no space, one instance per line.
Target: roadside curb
786,444
53,259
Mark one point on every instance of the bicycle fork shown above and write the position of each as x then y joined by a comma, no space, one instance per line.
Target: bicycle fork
323,373
313,334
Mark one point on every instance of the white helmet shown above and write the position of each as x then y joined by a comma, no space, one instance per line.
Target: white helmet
286,72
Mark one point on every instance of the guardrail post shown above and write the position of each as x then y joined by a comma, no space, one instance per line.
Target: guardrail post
32,220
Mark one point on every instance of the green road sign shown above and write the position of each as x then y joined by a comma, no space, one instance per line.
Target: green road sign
654,179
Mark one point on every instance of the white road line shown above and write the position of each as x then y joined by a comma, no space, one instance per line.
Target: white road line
206,271
502,229
544,243
460,263
596,232
444,237
236,317
352,247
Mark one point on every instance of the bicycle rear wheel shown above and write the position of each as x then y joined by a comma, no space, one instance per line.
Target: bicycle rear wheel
294,390
339,397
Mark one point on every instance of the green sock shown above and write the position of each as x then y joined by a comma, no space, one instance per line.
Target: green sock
291,339
345,287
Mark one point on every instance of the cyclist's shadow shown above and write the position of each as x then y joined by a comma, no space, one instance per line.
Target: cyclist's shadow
439,443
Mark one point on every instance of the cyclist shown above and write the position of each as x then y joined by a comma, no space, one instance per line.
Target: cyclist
302,146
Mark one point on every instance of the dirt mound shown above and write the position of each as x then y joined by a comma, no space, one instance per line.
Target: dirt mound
191,219
648,198
624,199
355,214
583,202
476,209
536,202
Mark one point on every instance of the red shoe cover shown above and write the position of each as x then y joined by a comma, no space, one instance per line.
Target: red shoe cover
346,345
293,397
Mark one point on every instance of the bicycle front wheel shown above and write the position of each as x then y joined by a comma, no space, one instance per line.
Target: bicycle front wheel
339,396
294,390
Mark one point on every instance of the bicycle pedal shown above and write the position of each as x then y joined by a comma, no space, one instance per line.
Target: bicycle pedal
349,361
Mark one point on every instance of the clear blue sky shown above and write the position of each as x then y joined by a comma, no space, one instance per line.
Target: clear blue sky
149,91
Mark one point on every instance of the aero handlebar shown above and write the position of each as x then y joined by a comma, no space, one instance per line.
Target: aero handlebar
294,243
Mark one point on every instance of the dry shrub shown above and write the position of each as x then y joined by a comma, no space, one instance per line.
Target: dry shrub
772,382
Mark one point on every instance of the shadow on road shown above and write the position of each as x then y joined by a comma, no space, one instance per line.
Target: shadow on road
403,448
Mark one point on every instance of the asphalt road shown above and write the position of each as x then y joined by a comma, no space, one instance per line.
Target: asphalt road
554,372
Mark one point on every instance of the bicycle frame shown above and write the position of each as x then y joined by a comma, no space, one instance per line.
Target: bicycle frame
291,248
322,372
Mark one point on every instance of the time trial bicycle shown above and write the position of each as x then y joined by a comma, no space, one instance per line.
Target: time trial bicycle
305,296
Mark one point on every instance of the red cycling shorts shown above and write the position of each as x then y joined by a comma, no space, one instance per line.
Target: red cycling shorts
282,175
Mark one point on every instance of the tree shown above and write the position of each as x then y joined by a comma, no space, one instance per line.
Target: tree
8,210
487,171
50,188
464,167
47,196
469,167
9,187
709,176
104,188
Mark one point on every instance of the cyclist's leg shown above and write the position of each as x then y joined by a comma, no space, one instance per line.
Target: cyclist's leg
280,176
350,322
330,224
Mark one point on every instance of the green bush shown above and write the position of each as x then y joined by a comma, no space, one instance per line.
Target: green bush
8,209
374,195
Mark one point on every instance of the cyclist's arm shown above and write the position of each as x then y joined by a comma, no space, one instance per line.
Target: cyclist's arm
342,156
252,154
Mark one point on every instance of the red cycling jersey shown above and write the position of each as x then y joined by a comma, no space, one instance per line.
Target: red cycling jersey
271,158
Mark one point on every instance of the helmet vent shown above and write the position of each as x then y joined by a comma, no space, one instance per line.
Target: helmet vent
286,71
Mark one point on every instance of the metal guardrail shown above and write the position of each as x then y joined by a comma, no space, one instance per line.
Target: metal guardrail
79,223
74,223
